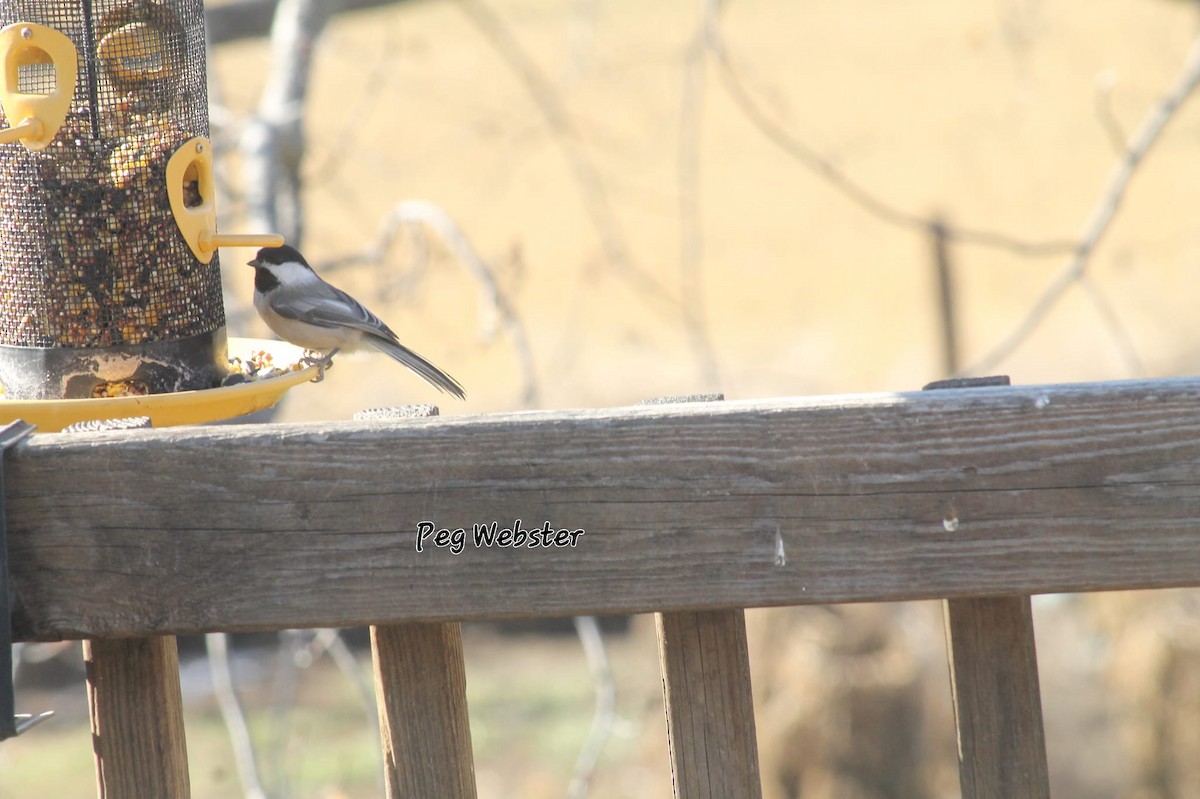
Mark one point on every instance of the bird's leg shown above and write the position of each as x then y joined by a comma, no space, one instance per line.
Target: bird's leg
320,360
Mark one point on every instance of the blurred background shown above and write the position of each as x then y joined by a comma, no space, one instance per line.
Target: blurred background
588,203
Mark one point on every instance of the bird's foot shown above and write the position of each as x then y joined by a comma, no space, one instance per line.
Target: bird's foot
320,360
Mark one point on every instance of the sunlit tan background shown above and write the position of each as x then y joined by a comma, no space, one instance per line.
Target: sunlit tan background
986,113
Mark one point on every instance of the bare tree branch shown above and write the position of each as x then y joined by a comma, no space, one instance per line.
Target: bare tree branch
247,19
273,141
824,168
691,245
373,83
947,297
495,309
217,645
1120,335
581,34
284,688
1105,81
1098,224
329,640
612,237
605,716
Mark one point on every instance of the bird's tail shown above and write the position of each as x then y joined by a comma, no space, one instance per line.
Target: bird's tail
439,379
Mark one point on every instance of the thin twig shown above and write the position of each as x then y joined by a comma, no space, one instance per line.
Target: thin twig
1120,335
1017,25
824,168
595,195
495,308
284,688
1105,81
330,641
342,143
1098,224
230,706
947,297
691,243
493,301
588,630
414,270
581,34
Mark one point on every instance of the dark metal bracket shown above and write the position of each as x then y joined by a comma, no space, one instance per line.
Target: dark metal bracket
11,722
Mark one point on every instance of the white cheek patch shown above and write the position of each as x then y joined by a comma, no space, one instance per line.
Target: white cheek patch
292,273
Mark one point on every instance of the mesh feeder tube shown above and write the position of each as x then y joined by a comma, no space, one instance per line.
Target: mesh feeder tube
100,293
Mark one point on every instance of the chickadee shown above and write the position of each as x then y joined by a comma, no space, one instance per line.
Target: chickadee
305,310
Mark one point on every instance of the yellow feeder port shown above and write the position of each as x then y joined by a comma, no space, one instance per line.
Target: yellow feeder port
191,192
37,79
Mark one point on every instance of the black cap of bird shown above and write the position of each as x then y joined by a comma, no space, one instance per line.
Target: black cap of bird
304,310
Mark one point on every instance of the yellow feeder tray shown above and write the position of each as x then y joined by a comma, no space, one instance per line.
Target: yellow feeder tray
183,407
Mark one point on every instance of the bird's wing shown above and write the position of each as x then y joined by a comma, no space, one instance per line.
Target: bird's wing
327,306
324,305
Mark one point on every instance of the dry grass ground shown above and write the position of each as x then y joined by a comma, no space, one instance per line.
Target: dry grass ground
840,699
531,700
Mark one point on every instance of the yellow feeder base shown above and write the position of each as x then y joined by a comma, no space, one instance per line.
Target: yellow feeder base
183,407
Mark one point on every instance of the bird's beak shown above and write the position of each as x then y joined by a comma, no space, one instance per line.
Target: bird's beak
253,263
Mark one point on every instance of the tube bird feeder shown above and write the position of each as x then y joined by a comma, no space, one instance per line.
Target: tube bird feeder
109,280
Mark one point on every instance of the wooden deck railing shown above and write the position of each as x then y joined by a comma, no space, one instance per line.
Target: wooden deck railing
693,511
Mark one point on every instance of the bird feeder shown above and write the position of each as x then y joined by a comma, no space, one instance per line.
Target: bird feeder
109,279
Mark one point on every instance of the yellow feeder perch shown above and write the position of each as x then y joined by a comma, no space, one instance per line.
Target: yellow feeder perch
190,189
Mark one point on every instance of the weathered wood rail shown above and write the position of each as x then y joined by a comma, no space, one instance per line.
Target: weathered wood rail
694,511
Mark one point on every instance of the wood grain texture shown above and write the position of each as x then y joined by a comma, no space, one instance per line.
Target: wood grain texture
949,493
137,718
997,702
420,685
710,710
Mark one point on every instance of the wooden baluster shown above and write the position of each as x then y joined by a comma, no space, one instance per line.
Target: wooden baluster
421,689
420,684
997,702
706,688
135,703
710,710
994,679
137,718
